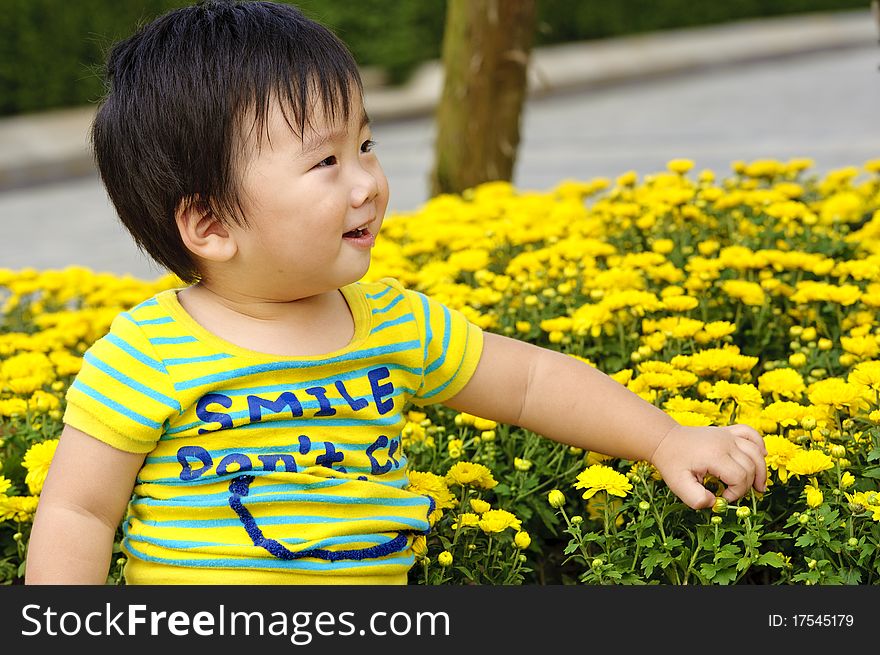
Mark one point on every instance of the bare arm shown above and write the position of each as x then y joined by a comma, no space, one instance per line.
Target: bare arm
571,402
83,500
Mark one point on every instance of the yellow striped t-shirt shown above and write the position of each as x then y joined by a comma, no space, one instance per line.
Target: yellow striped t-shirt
263,469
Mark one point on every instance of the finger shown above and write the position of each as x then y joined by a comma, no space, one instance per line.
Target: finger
748,467
749,433
752,451
690,490
732,474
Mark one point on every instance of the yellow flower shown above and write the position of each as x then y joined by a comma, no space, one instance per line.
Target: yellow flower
743,394
521,464
663,246
522,539
779,451
479,506
454,448
680,166
481,424
602,478
680,303
749,293
433,486
469,473
498,520
837,393
809,462
37,460
814,495
5,485
20,509
556,498
847,480
785,382
444,558
420,546
468,518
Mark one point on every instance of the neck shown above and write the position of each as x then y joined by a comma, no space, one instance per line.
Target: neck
257,307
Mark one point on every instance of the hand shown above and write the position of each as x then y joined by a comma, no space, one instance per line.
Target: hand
734,454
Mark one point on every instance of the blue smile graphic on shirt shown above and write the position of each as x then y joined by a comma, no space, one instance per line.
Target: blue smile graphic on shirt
240,487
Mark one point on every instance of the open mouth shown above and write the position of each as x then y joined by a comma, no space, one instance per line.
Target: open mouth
356,234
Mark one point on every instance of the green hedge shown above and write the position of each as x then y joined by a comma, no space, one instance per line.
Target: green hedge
51,51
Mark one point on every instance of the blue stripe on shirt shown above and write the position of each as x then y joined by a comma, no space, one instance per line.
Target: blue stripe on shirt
131,383
112,404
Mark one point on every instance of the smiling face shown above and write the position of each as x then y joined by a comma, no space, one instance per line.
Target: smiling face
303,198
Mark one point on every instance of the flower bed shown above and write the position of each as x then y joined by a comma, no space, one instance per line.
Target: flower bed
750,299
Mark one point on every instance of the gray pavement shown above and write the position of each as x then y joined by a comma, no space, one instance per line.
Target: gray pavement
797,87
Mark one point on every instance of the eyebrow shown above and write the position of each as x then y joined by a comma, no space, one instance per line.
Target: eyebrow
319,140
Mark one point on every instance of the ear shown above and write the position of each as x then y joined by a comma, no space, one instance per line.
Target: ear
203,233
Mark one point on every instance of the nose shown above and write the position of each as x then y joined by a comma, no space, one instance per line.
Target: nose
366,185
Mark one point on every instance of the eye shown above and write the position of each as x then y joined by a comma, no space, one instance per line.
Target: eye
328,161
368,145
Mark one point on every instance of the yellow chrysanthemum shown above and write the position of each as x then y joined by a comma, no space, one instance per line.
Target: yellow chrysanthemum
779,451
784,382
37,460
20,509
470,473
743,394
809,462
479,506
498,520
814,495
838,394
434,486
602,478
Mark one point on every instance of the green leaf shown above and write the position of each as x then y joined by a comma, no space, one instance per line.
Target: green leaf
873,472
805,539
771,559
724,577
654,559
852,576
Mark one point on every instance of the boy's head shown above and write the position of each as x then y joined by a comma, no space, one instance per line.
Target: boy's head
189,98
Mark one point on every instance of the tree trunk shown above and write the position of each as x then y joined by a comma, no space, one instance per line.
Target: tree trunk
486,48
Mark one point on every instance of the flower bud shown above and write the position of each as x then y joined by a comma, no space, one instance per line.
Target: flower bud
720,505
644,505
556,498
853,542
804,519
420,546
522,539
811,563
17,537
577,520
716,520
743,511
596,563
808,423
444,558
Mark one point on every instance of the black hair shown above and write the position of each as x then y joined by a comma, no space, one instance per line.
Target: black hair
180,94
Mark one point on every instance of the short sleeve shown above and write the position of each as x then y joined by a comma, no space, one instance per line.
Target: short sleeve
122,395
451,349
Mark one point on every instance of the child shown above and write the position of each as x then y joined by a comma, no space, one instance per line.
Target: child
247,426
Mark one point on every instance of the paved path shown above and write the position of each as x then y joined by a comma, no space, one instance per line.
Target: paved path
821,105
